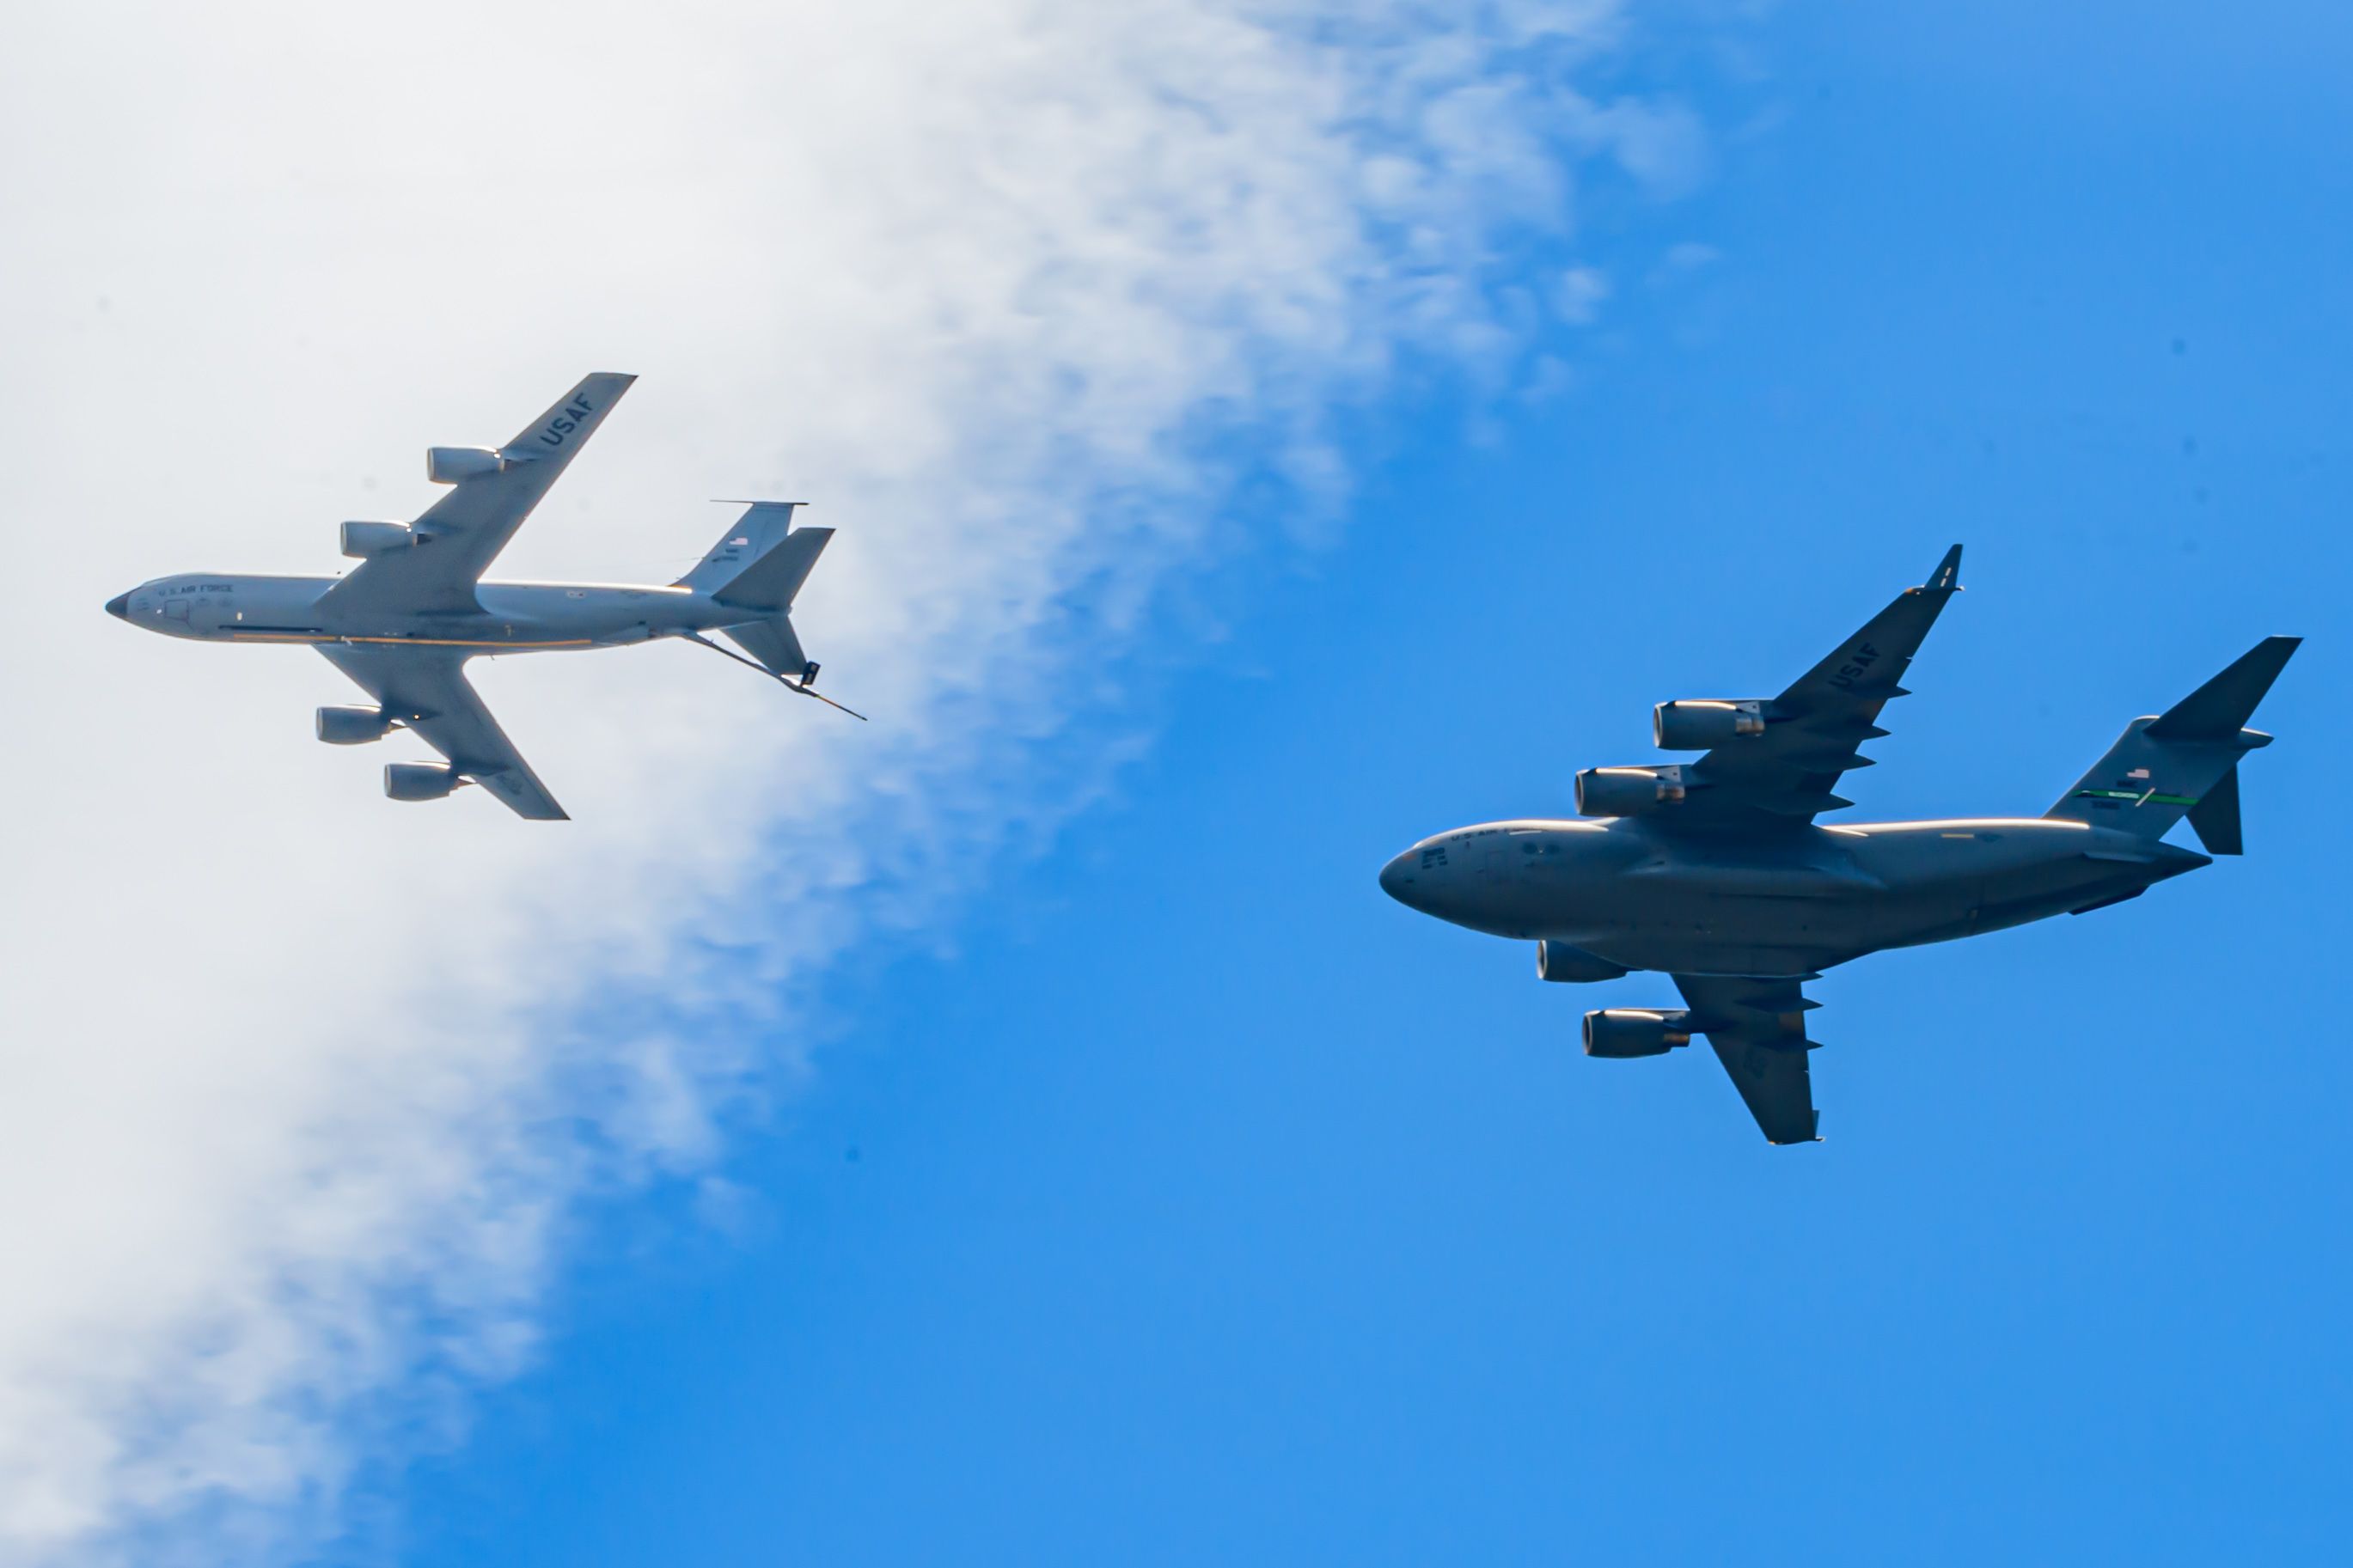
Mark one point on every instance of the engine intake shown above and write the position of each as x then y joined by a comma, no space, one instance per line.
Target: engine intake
1634,1032
420,781
1705,725
1629,792
447,465
1557,961
352,726
364,540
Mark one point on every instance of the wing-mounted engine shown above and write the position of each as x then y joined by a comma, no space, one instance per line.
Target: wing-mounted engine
1704,724
366,540
1772,759
1635,1032
447,465
353,726
1559,962
420,781
1631,792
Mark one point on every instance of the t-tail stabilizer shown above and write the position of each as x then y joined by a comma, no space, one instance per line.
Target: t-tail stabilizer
2185,761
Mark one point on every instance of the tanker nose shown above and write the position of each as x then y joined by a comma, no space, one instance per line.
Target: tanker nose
119,606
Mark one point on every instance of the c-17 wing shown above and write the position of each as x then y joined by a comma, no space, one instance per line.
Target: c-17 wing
426,690
1757,1025
1812,730
458,538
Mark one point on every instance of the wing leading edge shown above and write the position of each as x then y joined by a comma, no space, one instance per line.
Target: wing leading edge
1757,1028
426,690
1813,729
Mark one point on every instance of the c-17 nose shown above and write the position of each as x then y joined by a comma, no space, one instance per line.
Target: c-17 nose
1396,878
119,606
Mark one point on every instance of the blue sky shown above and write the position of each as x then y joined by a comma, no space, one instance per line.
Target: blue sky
1183,1199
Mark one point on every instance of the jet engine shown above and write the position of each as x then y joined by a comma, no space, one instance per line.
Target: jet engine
1703,725
1628,792
1634,1032
447,465
1558,960
352,726
363,541
418,781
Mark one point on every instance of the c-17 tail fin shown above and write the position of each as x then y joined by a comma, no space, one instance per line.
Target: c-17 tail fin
2185,760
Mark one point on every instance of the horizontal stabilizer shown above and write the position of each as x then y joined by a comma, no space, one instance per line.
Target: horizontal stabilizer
2184,762
773,642
760,564
2220,708
771,582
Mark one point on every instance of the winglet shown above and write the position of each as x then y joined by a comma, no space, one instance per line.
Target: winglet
1948,574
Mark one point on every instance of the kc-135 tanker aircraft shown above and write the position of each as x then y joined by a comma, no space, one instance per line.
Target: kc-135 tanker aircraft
1716,872
404,622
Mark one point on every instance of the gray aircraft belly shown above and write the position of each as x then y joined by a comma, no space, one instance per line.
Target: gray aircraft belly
1814,898
514,617
1700,906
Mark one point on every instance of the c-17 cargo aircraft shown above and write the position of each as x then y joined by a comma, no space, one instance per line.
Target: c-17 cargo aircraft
1715,871
404,622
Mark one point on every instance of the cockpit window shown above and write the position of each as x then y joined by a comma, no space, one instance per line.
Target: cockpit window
1430,858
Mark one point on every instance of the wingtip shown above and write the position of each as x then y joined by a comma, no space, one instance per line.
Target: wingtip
1947,574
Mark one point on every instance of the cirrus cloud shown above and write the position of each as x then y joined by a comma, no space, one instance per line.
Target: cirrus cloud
298,1084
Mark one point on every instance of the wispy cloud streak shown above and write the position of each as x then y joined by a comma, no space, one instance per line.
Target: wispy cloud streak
299,1083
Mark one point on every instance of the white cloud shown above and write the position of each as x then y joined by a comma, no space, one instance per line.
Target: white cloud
285,1093
1583,290
1682,259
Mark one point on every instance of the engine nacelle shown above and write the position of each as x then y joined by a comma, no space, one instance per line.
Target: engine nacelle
447,465
1629,792
1558,961
1703,725
420,781
1634,1032
352,726
364,540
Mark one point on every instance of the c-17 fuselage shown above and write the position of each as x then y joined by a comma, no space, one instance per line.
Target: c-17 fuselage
1638,895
